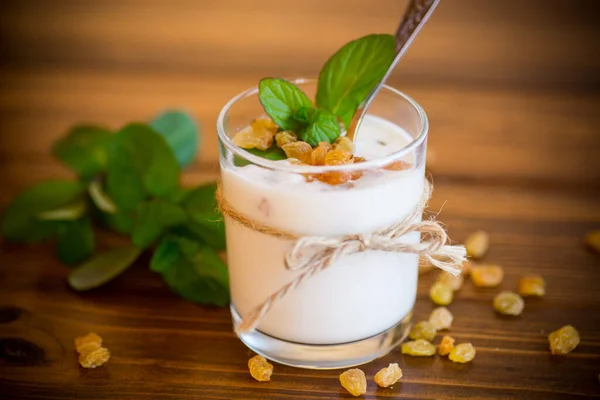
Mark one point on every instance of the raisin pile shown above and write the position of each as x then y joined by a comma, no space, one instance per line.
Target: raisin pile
388,376
260,368
441,318
441,294
477,244
354,381
91,352
487,275
532,285
563,340
509,303
418,347
455,282
423,330
462,353
446,346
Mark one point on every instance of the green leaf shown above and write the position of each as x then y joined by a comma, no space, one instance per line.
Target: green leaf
101,199
140,165
201,278
75,241
165,255
103,268
205,221
153,217
324,127
272,153
120,221
69,212
84,149
20,219
177,195
352,73
281,101
181,133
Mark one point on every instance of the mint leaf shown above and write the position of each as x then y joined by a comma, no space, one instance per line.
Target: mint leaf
119,221
140,165
282,100
69,212
100,198
323,127
20,221
84,149
304,115
75,242
272,153
153,217
205,221
352,73
198,274
103,268
181,133
166,253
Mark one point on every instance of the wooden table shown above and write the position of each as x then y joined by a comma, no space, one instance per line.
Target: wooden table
513,101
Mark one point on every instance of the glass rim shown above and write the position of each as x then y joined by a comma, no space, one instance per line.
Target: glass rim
312,169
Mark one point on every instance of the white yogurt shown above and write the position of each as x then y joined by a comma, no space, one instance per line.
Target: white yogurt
360,295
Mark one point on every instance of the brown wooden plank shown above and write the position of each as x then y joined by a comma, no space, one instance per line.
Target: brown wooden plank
164,347
536,42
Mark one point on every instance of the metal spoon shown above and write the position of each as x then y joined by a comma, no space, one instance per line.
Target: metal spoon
417,13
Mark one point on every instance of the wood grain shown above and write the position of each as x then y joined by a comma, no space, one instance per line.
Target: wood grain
511,91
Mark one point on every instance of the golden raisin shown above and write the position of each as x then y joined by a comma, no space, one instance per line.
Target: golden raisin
338,157
264,123
423,330
260,368
94,358
563,340
593,240
441,294
441,318
397,166
487,275
418,347
299,150
388,376
88,347
285,137
462,353
249,138
532,285
344,143
317,157
477,244
446,345
354,381
455,282
85,344
509,303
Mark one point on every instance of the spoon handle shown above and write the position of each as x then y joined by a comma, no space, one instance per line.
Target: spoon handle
417,13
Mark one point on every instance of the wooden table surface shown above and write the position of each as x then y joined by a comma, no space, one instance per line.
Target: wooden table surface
512,92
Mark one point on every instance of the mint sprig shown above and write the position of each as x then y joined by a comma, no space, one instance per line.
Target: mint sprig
352,73
344,83
128,181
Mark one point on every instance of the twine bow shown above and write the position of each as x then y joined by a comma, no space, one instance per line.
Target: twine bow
313,254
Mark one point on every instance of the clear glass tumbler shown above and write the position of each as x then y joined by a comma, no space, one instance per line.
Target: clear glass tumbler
360,307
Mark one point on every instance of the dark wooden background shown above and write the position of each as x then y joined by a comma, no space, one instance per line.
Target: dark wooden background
512,91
